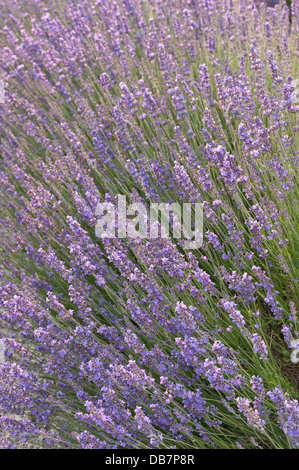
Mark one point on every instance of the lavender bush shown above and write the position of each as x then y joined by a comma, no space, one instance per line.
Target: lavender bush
141,343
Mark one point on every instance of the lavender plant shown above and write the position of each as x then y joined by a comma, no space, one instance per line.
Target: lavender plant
138,342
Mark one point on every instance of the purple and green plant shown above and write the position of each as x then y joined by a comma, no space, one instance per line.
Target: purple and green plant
141,343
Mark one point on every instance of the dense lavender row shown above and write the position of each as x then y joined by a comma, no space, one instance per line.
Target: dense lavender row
141,343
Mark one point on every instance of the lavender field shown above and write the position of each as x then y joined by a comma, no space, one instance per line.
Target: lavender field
130,341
